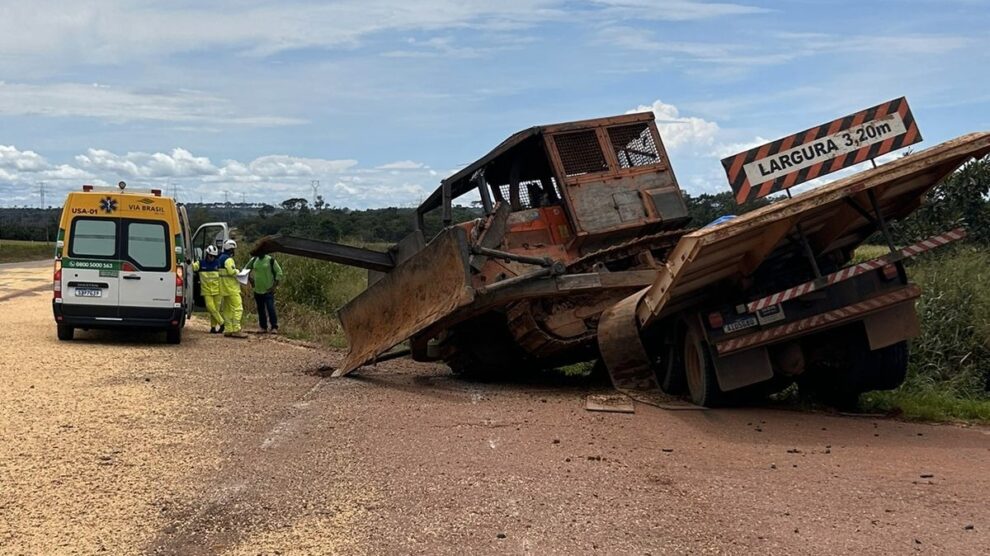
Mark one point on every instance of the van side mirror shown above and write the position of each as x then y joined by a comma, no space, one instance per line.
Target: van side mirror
59,244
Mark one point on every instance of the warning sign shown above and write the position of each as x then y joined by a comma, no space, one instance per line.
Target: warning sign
804,156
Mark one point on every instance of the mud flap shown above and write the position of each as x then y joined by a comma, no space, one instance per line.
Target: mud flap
417,293
742,369
893,325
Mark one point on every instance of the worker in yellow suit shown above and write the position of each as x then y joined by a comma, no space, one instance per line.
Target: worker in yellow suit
209,286
233,309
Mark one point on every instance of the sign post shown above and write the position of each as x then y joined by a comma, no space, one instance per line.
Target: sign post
795,159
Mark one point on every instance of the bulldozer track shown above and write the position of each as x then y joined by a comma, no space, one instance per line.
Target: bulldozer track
627,249
533,338
524,323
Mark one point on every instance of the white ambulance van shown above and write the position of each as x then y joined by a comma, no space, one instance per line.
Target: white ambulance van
120,261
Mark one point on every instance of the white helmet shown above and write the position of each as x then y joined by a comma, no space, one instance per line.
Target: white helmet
212,250
229,244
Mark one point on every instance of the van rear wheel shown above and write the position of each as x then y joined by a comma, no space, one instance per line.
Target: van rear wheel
173,335
65,332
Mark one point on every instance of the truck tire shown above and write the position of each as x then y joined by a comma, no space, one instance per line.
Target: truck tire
854,368
173,335
65,332
699,371
884,368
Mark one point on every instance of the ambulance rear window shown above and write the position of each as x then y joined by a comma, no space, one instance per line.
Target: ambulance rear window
93,237
147,245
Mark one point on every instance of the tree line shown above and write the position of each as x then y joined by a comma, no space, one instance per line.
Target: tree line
964,196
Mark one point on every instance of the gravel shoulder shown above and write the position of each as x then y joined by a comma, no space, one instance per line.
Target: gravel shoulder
123,444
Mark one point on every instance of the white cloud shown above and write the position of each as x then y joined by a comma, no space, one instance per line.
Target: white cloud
402,165
680,10
117,104
269,178
679,131
735,59
178,163
898,45
67,173
280,166
21,161
723,150
111,31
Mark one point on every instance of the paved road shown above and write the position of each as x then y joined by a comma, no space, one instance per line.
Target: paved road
121,444
24,277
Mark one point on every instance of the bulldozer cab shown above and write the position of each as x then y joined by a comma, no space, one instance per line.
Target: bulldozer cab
574,186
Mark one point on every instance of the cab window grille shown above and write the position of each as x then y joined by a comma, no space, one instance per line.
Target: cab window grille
532,194
580,153
633,145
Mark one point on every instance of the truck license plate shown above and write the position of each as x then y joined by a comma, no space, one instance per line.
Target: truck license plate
86,292
741,324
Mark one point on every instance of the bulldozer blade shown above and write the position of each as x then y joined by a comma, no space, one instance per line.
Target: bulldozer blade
415,294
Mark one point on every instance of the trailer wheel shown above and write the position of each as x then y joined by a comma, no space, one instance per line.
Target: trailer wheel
699,371
65,332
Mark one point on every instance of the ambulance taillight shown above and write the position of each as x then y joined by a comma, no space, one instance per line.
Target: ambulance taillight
57,282
178,287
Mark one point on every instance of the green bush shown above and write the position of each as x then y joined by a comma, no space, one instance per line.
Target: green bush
949,364
310,296
963,196
953,352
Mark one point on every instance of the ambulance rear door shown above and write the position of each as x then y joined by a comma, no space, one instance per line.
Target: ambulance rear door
147,275
91,268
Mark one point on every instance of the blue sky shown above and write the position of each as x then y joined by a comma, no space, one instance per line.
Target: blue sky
379,99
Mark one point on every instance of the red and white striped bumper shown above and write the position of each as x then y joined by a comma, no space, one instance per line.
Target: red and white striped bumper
822,320
856,270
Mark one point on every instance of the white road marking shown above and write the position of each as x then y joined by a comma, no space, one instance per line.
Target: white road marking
288,424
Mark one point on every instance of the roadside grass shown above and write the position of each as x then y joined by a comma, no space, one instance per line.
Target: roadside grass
949,366
927,406
867,252
14,251
584,368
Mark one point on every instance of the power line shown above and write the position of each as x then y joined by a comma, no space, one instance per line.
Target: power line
44,215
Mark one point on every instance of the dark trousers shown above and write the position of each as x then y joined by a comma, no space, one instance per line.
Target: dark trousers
266,310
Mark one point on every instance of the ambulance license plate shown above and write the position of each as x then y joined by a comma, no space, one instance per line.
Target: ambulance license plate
87,292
